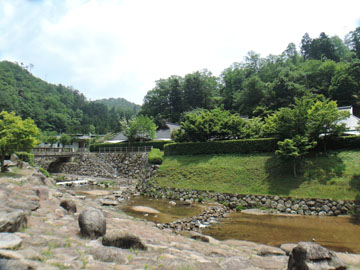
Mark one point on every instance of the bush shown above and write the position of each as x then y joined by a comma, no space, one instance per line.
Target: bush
155,156
44,172
27,157
154,144
221,147
344,142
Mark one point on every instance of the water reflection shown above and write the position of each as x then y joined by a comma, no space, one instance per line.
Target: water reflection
168,213
336,233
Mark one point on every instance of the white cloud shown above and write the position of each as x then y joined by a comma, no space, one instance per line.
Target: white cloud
113,48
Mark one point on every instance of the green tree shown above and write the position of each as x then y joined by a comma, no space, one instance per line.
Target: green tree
293,149
16,135
139,128
65,139
203,125
310,117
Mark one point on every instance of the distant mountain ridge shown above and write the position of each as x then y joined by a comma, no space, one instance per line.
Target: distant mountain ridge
120,103
57,107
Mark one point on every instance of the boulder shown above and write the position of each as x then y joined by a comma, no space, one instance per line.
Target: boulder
9,241
69,206
125,241
312,256
92,223
11,220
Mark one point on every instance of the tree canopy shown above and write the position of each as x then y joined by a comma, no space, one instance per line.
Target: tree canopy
16,135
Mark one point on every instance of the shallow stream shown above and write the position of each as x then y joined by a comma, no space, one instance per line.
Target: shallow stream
336,233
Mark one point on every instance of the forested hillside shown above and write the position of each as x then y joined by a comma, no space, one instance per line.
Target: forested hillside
121,106
55,107
259,86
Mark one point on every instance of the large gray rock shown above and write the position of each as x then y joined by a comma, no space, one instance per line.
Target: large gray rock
92,223
11,220
120,240
9,241
312,256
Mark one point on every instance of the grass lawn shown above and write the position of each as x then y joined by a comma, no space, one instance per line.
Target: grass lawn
335,176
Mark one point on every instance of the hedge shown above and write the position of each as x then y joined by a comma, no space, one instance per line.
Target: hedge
344,142
221,147
154,144
155,156
27,157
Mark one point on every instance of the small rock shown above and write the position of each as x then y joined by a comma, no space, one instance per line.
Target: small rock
69,206
9,241
107,202
199,236
126,241
172,203
187,202
265,250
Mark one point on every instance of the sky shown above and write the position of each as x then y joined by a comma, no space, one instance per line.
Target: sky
120,48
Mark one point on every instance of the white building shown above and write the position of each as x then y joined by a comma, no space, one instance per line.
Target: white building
352,122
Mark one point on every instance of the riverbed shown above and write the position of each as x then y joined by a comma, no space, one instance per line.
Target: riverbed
337,233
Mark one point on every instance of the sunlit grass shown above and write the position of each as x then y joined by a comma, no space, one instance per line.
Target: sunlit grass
335,175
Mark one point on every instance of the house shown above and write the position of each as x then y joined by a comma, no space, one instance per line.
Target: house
352,122
162,134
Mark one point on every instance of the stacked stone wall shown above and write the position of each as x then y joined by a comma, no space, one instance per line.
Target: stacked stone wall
302,206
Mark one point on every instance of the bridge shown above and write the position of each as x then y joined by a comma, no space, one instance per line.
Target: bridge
53,152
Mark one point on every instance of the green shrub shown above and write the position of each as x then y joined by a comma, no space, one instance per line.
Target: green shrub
344,142
27,157
221,147
44,172
155,156
154,144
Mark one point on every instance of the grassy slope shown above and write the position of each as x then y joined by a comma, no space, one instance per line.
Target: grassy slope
335,176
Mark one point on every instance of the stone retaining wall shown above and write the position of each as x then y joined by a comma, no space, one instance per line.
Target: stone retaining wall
315,207
127,165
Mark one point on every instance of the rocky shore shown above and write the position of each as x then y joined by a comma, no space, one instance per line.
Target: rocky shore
40,231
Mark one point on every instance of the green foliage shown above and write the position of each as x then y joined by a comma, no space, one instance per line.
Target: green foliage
155,156
65,139
204,125
56,107
27,157
154,144
339,143
139,128
44,172
294,149
221,147
175,95
16,135
309,117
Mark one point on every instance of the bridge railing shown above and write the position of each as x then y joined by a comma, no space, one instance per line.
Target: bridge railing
133,149
43,151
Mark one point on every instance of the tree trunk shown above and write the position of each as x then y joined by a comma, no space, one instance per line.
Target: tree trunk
294,167
2,161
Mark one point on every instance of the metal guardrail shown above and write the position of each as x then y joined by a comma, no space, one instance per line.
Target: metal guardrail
134,149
